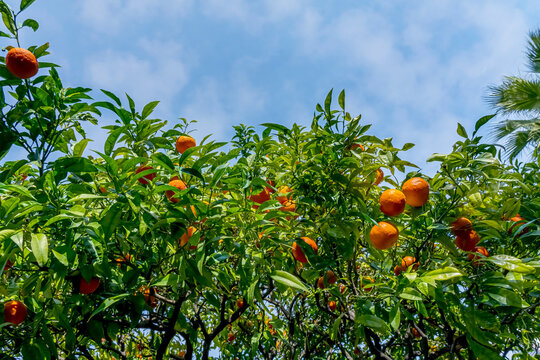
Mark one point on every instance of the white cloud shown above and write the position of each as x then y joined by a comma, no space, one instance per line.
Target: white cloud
145,78
112,16
217,106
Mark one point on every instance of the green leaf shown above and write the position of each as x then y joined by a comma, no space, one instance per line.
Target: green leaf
373,322
168,280
40,248
506,297
483,352
288,279
7,17
407,146
461,131
436,157
341,99
163,160
7,233
107,303
335,328
480,122
111,220
112,96
442,274
193,172
328,102
75,165
25,4
148,108
411,294
31,23
510,263
18,189
277,127
79,147
61,257
395,317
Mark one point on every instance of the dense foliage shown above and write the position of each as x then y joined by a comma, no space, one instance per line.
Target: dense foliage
114,262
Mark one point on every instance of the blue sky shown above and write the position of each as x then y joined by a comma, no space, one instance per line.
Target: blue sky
411,68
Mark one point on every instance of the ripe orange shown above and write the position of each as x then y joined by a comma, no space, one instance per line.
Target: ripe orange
231,337
8,265
86,288
518,220
123,260
14,312
380,176
149,297
392,202
383,235
180,185
416,191
187,235
405,263
461,226
467,241
184,142
416,333
342,288
288,206
149,177
367,283
21,63
102,190
475,257
320,282
282,194
297,250
240,303
331,277
332,305
259,198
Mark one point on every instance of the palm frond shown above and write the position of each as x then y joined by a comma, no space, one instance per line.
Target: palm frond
533,51
516,95
517,143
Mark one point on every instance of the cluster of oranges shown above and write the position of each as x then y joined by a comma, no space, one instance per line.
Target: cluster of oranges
467,239
414,192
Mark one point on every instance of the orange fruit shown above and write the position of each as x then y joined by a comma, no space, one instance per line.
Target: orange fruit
231,337
299,254
86,288
123,260
149,297
474,257
518,220
392,202
331,277
187,235
148,177
282,194
383,235
259,198
21,63
416,191
14,312
8,265
332,305
184,142
288,206
342,288
320,282
380,176
416,333
367,283
461,226
102,190
180,185
405,263
467,241
240,303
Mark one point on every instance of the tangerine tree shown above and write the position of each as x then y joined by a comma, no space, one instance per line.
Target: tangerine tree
290,242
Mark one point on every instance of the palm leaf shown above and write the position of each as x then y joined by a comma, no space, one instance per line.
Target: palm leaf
516,95
533,51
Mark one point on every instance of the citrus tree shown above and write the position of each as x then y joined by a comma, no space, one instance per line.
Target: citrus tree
288,243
